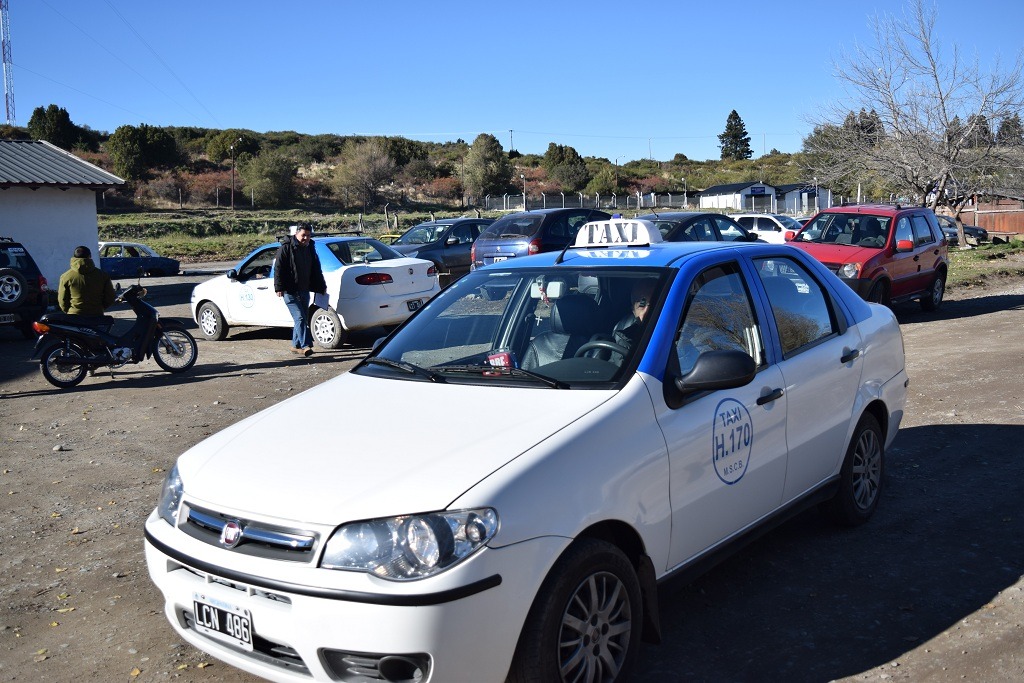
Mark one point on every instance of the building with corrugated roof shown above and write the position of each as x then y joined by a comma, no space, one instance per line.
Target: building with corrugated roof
48,202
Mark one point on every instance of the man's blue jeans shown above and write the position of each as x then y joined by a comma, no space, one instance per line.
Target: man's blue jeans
298,306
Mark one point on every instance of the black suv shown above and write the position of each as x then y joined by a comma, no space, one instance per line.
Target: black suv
23,289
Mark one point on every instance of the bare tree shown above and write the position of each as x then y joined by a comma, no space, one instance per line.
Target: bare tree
364,170
936,113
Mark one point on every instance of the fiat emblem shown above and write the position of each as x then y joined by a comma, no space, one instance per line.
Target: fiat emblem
231,534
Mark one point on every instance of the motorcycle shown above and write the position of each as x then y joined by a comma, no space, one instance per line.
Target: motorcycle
69,346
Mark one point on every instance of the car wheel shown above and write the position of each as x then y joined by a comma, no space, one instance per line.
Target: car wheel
585,622
211,322
932,299
327,329
860,480
879,293
12,288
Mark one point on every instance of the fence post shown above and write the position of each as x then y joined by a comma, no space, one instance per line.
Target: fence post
615,201
504,201
581,200
639,200
563,199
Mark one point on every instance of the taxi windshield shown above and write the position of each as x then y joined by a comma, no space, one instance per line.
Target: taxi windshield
552,327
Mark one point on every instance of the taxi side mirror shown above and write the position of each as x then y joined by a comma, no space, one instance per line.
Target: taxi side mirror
232,274
718,370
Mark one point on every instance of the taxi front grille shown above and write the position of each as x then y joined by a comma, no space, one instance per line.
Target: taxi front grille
263,649
253,538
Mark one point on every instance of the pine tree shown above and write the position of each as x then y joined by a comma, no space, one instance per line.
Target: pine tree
734,142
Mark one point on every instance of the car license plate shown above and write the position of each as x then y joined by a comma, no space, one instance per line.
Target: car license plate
228,623
499,258
6,317
414,304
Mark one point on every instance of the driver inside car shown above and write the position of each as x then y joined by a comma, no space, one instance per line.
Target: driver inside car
627,331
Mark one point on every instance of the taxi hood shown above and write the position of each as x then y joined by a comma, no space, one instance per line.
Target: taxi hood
359,447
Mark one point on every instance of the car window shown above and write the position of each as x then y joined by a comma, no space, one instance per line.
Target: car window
421,234
576,221
922,230
521,225
259,265
903,230
718,317
13,256
802,311
361,251
110,251
728,230
701,230
463,233
748,222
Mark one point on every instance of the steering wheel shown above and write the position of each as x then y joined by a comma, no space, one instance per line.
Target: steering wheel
601,344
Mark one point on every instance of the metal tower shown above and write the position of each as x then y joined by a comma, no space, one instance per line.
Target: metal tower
5,38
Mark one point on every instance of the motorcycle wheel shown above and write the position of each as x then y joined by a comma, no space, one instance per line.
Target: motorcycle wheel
58,371
175,350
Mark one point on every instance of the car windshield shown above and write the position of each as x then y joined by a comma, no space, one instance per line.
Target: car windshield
362,251
789,222
510,227
421,234
558,327
853,229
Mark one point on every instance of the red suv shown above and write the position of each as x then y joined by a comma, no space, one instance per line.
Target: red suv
887,254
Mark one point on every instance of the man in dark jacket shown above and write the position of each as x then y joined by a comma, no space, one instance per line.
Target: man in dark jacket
84,289
297,272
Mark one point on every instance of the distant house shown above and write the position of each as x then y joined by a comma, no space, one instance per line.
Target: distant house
801,198
751,196
48,202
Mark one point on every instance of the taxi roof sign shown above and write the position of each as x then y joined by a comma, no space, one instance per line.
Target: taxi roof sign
618,232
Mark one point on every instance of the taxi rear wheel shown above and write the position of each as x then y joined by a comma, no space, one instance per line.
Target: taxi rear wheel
585,623
860,482
327,329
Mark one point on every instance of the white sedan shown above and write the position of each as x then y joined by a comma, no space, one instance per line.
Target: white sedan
369,284
622,414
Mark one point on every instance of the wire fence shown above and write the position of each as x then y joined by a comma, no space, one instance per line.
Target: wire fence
580,200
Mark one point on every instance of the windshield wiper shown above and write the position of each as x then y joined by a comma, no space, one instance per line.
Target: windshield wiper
504,370
406,367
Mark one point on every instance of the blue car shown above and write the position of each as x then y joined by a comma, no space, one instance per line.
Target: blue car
130,259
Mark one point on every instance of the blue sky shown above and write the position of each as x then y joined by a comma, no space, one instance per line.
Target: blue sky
612,79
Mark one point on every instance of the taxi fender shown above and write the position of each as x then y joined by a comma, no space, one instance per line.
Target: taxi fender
610,464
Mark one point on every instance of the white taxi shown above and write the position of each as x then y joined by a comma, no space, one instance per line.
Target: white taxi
369,284
613,414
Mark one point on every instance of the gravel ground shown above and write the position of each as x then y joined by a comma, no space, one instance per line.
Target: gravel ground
930,590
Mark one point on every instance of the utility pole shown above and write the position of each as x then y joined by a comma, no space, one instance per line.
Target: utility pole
5,40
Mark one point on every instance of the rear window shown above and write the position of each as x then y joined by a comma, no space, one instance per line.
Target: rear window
512,227
15,256
362,251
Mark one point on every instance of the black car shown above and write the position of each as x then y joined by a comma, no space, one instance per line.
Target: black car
23,289
948,226
530,232
448,243
699,226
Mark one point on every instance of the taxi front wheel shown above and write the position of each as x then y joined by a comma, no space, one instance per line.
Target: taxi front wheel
585,622
860,482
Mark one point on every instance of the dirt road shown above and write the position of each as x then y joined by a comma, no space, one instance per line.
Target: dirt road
930,590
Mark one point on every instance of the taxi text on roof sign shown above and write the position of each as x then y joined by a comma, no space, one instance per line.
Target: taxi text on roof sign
617,232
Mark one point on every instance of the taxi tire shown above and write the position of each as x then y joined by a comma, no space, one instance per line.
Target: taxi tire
211,322
860,481
326,328
589,572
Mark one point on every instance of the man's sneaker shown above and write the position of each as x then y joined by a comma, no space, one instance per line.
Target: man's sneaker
308,351
301,352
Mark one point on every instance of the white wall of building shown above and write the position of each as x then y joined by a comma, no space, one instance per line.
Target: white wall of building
50,223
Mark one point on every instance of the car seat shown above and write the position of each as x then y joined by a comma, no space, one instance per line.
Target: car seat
870,233
573,320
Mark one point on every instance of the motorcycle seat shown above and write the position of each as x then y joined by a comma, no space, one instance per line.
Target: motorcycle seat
102,321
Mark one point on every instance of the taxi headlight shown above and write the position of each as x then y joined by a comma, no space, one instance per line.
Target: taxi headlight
410,546
170,497
849,270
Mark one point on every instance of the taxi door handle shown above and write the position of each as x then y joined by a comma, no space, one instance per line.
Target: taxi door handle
850,355
264,287
774,395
